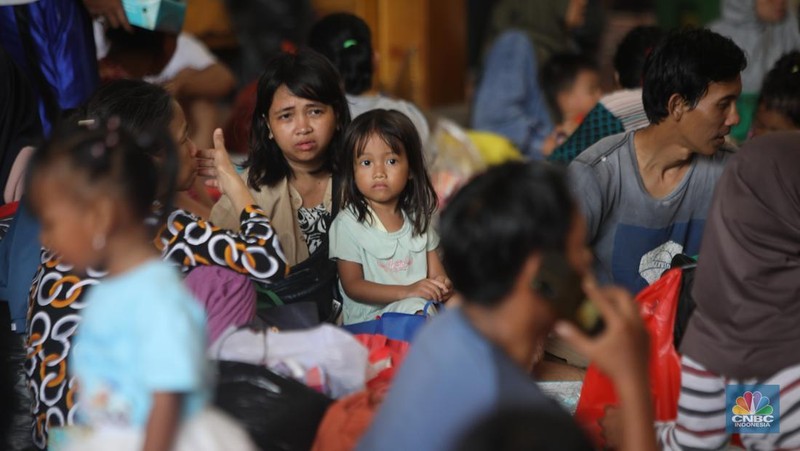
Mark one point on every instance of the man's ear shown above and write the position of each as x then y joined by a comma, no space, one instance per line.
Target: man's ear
677,106
529,272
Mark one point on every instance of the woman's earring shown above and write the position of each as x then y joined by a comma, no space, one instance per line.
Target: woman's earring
98,241
266,123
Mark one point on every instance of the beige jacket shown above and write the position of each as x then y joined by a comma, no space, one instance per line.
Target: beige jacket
281,203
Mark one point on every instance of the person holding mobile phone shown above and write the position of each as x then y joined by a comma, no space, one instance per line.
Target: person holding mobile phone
472,361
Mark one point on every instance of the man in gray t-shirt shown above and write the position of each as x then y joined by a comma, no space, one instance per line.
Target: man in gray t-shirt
645,194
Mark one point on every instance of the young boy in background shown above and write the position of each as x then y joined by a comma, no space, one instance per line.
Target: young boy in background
571,85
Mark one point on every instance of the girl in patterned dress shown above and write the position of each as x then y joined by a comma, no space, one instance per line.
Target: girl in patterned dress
139,355
58,293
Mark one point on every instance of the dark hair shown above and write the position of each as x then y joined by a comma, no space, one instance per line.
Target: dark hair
781,89
141,107
632,52
142,110
559,74
306,74
418,199
137,40
345,39
497,220
520,429
685,63
106,156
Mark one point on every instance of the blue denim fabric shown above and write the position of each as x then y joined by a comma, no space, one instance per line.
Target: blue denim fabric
508,100
19,258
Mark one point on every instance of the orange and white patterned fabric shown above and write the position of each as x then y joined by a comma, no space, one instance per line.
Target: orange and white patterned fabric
57,297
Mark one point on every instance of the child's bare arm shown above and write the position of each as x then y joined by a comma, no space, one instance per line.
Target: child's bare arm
163,423
352,276
213,82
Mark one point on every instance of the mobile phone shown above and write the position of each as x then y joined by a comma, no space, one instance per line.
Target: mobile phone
560,285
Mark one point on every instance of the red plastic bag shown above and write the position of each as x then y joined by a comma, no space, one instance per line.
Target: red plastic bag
348,419
8,210
657,305
385,357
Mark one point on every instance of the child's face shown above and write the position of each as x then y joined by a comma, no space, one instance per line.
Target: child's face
302,128
582,97
68,226
381,173
767,121
187,151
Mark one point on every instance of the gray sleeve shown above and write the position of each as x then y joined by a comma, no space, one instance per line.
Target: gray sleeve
587,193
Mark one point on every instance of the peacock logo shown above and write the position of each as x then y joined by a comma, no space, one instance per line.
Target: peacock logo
753,409
752,403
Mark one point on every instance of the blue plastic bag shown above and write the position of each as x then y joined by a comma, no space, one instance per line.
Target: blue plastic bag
393,325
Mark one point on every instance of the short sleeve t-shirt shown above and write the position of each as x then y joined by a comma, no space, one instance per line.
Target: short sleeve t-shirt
451,378
142,332
634,235
190,53
389,258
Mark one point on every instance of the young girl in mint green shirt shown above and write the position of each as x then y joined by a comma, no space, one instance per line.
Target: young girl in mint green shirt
382,238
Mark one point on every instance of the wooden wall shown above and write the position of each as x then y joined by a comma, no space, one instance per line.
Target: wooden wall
421,46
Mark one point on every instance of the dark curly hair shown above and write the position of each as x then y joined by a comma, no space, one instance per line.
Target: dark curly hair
345,39
781,89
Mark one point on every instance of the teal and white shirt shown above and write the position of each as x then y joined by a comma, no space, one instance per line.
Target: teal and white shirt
389,258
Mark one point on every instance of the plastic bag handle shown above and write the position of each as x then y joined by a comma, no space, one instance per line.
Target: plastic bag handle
428,304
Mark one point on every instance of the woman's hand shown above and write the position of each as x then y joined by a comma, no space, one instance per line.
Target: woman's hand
216,163
111,11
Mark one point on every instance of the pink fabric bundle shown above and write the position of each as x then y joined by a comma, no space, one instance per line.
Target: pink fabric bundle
228,298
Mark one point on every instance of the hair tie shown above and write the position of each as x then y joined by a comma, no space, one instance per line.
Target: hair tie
88,123
349,43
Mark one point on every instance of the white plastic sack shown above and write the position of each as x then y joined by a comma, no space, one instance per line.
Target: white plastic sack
342,358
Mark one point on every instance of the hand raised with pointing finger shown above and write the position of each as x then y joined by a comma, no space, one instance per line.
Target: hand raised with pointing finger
216,163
